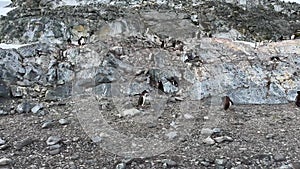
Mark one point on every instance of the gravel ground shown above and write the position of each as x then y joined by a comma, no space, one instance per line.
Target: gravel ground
263,136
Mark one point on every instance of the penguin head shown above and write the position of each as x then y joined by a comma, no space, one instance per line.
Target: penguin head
144,93
298,92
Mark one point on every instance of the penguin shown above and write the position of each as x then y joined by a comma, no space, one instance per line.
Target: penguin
142,98
69,41
298,99
227,103
81,41
160,86
173,80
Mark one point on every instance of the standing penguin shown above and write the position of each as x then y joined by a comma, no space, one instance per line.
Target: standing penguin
81,41
160,86
69,41
227,103
142,98
298,99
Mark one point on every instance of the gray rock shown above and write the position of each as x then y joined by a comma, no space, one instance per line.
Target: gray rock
4,90
17,91
208,141
58,93
207,131
20,144
121,166
2,112
130,112
42,112
53,140
216,130
54,152
279,157
171,135
3,147
63,121
178,99
24,107
36,108
169,162
287,167
55,146
219,139
188,116
295,165
2,141
205,163
48,124
227,138
5,161
221,162
270,136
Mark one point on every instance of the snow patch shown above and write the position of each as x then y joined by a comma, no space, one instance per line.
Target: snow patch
12,46
3,9
297,1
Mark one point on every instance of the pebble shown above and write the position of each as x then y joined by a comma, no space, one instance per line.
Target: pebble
20,144
151,125
16,91
63,121
75,139
188,116
287,167
42,112
219,139
23,107
121,166
205,163
279,157
206,131
3,112
3,147
296,165
270,136
217,130
169,162
205,118
2,141
178,99
209,141
53,140
5,161
47,124
54,152
220,161
55,146
130,112
171,135
36,108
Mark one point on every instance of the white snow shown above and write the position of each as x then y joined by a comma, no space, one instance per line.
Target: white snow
11,46
3,9
68,3
297,1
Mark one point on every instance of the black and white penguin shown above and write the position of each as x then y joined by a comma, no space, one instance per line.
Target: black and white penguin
160,86
298,99
82,41
227,103
69,41
142,98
